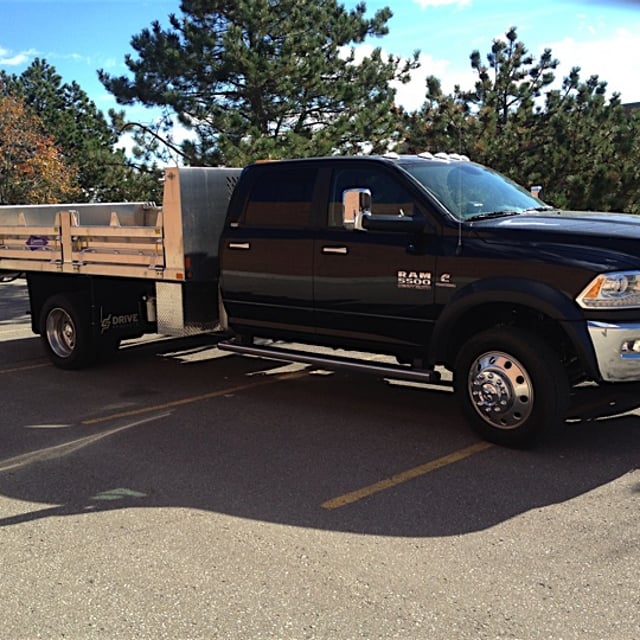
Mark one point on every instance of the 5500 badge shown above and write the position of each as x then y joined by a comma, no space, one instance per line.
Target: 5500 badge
421,280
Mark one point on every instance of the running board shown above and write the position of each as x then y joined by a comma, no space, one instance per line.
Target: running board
397,372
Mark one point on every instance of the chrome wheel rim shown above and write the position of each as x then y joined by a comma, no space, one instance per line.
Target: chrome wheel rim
61,332
500,389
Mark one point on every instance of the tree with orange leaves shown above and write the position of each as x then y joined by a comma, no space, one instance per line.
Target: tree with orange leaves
32,169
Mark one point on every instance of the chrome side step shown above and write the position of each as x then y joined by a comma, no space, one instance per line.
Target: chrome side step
397,372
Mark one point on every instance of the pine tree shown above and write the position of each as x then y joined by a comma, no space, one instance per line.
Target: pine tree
589,147
266,78
579,146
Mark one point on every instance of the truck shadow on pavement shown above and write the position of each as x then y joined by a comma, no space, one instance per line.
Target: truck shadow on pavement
193,428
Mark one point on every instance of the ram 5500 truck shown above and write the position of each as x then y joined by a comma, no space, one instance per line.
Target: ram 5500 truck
434,261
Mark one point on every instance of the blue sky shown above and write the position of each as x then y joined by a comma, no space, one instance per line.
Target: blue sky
78,37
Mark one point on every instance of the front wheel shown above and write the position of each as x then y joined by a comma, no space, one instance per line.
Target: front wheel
65,331
511,386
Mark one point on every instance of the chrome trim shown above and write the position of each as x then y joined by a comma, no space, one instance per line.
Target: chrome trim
335,250
500,390
607,339
239,245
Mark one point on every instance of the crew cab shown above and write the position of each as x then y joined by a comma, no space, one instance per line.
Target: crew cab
436,261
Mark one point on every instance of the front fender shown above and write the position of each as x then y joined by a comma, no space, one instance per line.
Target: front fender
521,293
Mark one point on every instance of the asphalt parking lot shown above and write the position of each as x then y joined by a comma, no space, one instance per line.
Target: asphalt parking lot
182,492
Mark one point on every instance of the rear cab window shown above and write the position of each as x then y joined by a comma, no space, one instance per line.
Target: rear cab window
281,195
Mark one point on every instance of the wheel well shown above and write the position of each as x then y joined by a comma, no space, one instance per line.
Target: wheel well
43,286
491,315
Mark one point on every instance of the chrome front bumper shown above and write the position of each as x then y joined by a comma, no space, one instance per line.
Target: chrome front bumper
617,348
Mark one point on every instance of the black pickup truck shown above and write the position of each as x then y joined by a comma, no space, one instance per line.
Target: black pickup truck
437,262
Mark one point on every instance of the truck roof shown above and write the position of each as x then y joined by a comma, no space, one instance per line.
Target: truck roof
388,158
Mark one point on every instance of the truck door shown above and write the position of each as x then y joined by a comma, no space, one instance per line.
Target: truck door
373,286
267,253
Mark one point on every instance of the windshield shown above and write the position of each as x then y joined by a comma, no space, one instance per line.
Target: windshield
471,191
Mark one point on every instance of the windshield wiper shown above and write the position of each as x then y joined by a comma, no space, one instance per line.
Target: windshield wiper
545,208
492,214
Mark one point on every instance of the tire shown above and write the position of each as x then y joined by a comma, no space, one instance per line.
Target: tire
511,386
65,331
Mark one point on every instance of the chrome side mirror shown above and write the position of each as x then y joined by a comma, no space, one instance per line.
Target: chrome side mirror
356,205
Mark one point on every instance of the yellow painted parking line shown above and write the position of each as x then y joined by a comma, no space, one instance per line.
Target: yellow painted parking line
404,476
200,398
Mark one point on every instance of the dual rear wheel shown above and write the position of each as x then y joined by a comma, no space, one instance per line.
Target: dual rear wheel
66,333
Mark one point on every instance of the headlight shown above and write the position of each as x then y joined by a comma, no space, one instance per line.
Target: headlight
619,290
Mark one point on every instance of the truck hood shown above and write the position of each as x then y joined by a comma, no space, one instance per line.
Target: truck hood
608,240
585,223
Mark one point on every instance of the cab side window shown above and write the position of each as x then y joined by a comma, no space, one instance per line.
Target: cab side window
388,196
280,197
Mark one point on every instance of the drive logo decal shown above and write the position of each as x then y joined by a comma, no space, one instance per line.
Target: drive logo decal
113,321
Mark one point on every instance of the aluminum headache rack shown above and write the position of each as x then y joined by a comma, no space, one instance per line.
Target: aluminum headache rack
136,239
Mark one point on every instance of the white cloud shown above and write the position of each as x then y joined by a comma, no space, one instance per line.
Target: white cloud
77,57
14,61
9,59
411,95
618,68
111,63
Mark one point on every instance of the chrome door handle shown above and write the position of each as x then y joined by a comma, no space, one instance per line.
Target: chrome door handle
239,245
335,250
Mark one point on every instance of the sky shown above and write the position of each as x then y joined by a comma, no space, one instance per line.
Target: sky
602,37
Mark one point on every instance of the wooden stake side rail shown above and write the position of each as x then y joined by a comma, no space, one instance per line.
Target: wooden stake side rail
127,241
